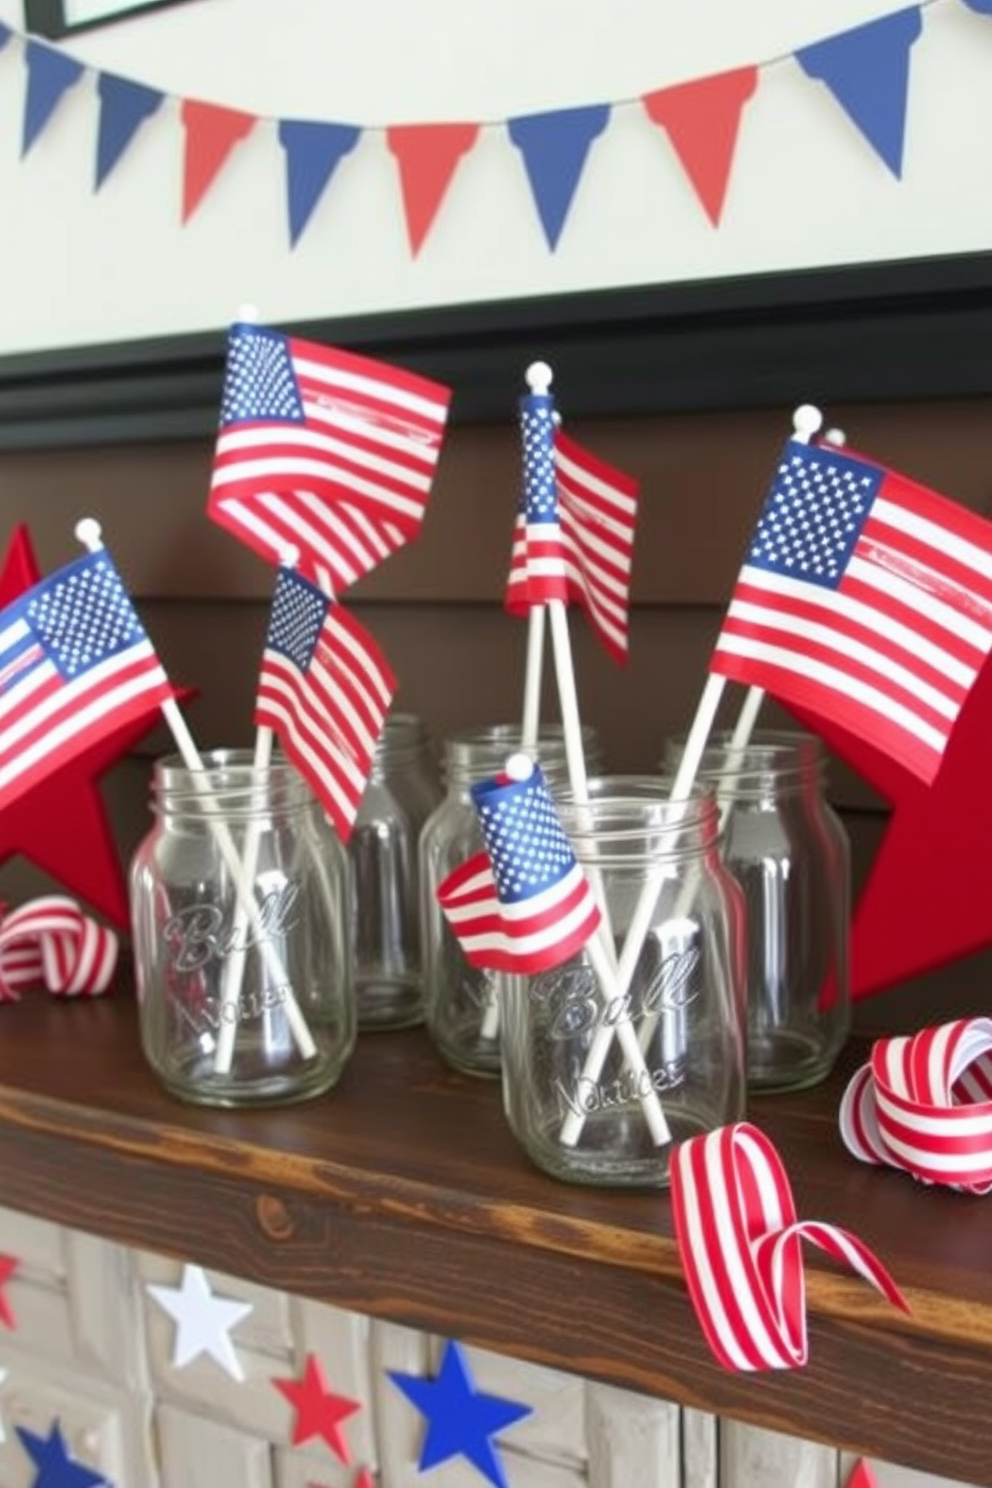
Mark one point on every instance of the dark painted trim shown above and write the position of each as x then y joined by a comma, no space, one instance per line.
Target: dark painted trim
909,330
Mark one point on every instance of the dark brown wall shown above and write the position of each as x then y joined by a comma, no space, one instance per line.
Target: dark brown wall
436,606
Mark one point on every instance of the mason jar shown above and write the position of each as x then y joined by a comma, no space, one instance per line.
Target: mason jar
790,853
239,899
403,789
638,1042
461,1010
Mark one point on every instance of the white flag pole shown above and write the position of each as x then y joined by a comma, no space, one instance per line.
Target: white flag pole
806,421
88,532
603,957
234,967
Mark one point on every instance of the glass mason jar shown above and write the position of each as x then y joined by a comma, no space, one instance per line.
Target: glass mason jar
404,788
460,1003
790,853
239,901
606,1065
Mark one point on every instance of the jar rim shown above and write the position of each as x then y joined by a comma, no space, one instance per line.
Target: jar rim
639,808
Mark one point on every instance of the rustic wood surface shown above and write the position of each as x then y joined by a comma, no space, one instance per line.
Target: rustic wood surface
403,1194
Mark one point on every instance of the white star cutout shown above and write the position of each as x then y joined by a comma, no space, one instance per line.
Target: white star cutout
203,1320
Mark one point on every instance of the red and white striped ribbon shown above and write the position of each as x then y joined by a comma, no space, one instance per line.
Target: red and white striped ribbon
739,1239
923,1103
49,942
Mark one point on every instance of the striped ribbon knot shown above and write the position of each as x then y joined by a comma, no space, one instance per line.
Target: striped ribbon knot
740,1244
49,942
923,1104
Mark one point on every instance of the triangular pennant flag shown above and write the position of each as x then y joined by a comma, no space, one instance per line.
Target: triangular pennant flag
867,71
427,156
554,147
211,134
702,120
313,151
124,106
50,74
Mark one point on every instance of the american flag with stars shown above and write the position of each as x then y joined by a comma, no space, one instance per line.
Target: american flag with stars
322,450
75,666
574,534
324,690
864,598
523,905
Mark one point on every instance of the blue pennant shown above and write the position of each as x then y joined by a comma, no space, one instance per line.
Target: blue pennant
554,147
984,7
313,151
56,1469
5,34
460,1419
50,74
867,71
123,107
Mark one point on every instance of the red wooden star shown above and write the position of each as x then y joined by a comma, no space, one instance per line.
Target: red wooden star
8,1265
927,900
62,825
318,1411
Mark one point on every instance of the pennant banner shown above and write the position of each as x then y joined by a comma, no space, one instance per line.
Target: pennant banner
866,69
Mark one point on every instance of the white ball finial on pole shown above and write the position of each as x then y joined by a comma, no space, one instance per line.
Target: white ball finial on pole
836,437
806,421
539,378
247,314
89,532
289,556
519,767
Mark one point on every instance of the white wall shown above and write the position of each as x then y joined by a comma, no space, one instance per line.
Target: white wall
81,268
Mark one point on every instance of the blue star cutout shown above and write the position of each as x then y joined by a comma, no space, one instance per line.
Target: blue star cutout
56,1469
460,1419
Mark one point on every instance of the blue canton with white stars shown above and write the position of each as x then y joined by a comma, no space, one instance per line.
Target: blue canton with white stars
259,383
814,515
540,492
83,616
527,847
299,610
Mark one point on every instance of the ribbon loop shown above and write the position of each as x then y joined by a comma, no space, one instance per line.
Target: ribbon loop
923,1104
49,942
739,1238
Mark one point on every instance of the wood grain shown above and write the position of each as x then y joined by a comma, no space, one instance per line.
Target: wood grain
403,1195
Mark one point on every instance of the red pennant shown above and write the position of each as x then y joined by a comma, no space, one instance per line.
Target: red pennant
211,134
702,119
427,156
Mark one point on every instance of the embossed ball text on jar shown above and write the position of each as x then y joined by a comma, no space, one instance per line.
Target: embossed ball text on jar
600,1080
461,1005
790,853
241,929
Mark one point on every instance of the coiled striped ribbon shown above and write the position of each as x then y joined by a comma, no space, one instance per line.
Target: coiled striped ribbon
739,1239
49,942
923,1103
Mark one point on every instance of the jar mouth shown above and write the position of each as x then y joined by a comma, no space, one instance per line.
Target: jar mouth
626,811
474,753
772,759
229,782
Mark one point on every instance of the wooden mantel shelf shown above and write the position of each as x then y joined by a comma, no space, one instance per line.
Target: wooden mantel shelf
403,1195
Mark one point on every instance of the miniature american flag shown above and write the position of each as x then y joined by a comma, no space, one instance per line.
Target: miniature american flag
574,535
322,450
524,905
75,665
324,690
864,598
